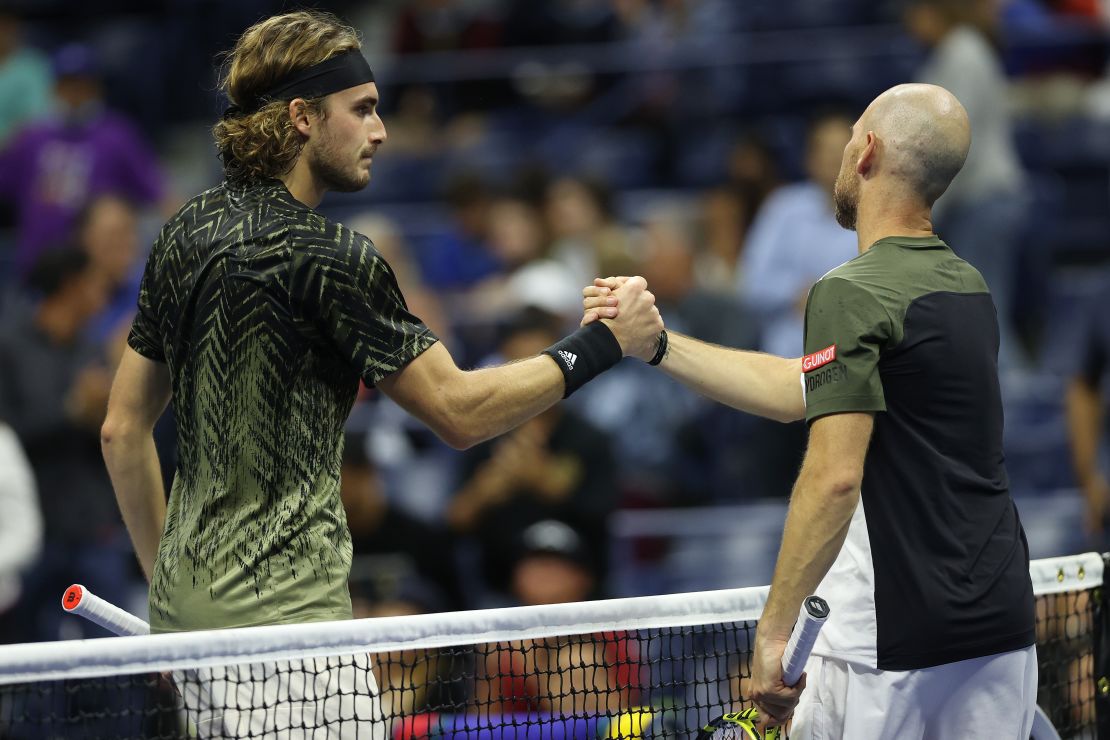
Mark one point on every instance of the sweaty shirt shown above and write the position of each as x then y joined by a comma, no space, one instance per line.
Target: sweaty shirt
267,315
935,567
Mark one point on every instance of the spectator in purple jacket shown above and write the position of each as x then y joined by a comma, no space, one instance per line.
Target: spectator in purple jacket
53,168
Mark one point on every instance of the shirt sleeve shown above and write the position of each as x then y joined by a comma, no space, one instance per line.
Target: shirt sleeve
347,297
846,328
145,336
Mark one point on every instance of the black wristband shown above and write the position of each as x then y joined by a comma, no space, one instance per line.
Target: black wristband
585,354
661,350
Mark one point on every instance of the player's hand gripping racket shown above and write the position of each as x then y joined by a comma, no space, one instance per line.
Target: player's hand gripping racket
745,724
78,600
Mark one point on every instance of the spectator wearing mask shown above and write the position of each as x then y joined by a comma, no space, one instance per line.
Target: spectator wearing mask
54,168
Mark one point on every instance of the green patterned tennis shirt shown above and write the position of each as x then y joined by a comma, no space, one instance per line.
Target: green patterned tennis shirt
267,315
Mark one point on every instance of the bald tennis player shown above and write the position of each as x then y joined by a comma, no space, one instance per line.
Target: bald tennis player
901,516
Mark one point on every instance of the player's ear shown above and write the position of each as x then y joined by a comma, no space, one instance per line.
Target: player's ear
868,154
298,114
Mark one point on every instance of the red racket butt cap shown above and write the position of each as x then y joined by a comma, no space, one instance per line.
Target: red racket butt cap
72,597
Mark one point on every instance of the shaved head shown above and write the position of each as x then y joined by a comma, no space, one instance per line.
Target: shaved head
921,138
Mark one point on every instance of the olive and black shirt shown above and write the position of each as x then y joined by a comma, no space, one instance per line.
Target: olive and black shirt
935,567
267,315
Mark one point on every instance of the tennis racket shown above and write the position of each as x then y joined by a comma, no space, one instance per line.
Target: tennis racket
744,725
79,600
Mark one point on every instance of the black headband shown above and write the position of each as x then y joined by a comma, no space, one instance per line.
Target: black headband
344,70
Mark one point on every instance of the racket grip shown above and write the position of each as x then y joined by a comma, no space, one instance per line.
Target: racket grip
78,600
815,611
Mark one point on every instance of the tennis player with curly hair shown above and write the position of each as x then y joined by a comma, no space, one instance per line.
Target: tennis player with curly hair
258,317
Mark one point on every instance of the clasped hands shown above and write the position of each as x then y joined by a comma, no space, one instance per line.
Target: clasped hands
628,308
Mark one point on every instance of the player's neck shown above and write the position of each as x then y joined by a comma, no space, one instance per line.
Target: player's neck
302,185
894,217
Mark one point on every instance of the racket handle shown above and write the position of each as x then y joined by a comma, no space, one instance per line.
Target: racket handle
815,611
78,600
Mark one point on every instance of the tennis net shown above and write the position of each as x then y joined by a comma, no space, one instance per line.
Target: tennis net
646,667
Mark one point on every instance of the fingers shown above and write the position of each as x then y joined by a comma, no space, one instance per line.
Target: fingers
598,303
634,284
610,282
777,706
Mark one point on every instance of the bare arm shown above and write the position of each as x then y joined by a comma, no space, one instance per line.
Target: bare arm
140,393
1084,414
753,382
758,383
468,407
821,508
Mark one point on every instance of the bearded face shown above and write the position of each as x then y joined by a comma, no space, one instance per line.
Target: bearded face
341,163
846,192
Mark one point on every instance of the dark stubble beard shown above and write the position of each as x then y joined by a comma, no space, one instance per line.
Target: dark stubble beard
328,168
846,201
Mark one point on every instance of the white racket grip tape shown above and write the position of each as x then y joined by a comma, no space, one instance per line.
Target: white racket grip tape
815,611
78,600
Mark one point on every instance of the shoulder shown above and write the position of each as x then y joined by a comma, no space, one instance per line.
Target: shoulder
842,291
197,210
315,237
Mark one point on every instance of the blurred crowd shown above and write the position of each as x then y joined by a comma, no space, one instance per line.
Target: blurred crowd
533,146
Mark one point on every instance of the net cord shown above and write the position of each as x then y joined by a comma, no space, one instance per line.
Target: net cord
72,659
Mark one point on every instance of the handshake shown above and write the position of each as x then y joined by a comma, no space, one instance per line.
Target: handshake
627,307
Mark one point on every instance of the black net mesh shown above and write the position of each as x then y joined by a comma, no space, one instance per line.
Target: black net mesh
650,683
1066,660
663,683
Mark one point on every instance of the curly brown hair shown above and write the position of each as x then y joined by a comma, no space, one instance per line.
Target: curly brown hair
262,144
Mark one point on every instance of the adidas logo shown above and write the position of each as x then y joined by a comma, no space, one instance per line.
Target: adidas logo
569,358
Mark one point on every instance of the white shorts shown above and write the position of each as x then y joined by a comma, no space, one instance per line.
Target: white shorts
312,699
993,697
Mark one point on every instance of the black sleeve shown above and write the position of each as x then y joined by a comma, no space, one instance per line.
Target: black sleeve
145,336
347,295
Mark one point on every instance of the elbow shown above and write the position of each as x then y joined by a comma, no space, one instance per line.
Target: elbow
456,428
109,433
114,430
845,484
455,437
788,415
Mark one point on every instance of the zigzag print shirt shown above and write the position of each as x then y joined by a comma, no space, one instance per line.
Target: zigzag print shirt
267,315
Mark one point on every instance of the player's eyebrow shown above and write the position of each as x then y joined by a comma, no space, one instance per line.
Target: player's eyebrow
366,100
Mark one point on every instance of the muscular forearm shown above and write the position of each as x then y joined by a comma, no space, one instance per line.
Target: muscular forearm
1084,412
491,401
132,462
816,526
754,382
